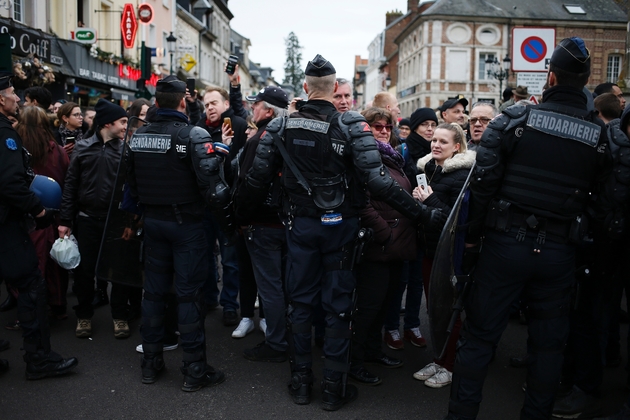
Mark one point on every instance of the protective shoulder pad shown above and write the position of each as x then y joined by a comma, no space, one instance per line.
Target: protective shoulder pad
515,111
276,125
199,135
351,117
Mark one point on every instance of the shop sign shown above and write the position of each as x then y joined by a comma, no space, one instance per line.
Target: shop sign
26,42
128,26
84,35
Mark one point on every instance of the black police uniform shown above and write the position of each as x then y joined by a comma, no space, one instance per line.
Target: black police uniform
535,169
18,259
174,170
337,155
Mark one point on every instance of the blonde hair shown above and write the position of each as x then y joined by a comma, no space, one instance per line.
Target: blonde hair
458,135
322,86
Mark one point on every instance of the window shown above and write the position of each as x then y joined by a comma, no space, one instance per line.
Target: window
614,68
483,73
18,11
457,65
574,9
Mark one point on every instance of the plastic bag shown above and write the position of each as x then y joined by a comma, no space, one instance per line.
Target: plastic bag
66,252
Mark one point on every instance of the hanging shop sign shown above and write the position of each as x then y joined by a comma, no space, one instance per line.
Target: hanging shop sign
128,26
84,35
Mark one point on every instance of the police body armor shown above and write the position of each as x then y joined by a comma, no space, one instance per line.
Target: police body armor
318,147
164,178
535,180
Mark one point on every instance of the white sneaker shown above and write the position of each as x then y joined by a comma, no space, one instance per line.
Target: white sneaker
166,347
263,326
427,371
245,327
442,378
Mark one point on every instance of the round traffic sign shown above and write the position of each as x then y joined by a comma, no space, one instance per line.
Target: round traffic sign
145,13
533,49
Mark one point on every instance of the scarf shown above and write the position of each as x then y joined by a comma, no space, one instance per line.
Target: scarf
387,151
65,132
418,146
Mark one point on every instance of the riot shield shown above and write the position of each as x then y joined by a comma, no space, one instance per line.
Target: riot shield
119,260
443,280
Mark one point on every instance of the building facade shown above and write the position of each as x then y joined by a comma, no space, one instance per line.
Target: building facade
443,51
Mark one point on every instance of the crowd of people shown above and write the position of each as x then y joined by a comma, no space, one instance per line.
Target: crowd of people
322,219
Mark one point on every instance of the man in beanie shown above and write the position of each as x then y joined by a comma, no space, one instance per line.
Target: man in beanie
18,259
174,170
87,193
403,129
325,159
527,203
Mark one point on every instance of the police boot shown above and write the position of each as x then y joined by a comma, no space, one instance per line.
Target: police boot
200,374
333,395
300,386
152,365
42,364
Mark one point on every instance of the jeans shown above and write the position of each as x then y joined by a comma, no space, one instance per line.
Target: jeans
267,249
229,261
410,279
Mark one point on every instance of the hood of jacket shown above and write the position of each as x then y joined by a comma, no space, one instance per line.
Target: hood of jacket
459,161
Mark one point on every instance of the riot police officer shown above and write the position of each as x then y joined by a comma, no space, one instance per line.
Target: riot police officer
174,169
325,158
18,260
536,167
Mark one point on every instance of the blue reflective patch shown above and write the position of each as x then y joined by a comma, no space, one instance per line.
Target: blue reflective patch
11,144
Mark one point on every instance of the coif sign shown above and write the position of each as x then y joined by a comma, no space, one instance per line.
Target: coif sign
128,26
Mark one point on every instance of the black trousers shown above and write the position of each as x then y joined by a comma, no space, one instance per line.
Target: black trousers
506,267
377,284
89,232
19,268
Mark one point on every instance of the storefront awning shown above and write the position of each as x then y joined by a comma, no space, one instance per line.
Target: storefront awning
123,95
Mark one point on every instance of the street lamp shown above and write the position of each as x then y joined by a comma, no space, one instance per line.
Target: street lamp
172,43
388,82
495,71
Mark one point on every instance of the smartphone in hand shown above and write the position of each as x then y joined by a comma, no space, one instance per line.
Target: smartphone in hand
231,64
228,121
190,85
422,181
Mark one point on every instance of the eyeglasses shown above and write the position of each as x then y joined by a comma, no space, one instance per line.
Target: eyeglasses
77,115
428,125
380,127
483,121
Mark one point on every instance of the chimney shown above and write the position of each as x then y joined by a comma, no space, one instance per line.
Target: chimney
424,5
392,16
412,5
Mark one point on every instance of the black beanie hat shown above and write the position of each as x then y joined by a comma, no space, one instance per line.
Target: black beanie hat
571,55
421,115
107,112
404,121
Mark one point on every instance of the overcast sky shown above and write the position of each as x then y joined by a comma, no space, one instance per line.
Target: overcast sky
336,29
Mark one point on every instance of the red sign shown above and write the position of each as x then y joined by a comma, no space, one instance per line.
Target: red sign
145,13
128,26
533,49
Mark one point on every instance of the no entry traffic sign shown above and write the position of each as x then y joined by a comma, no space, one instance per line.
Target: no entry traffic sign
532,47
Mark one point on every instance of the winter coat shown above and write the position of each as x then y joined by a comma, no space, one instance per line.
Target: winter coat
90,178
394,234
447,182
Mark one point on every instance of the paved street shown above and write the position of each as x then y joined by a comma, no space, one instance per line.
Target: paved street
106,384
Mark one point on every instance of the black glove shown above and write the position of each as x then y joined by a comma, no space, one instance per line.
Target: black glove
44,221
471,256
432,217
